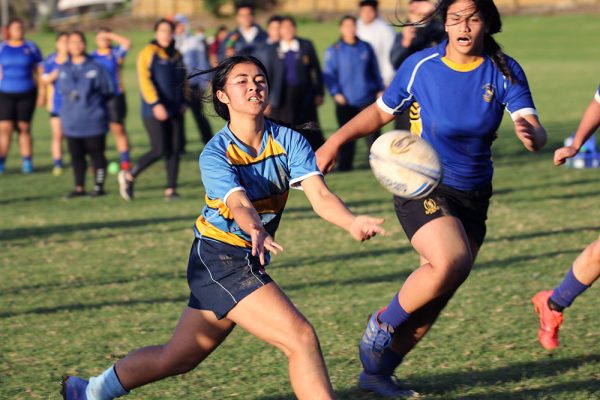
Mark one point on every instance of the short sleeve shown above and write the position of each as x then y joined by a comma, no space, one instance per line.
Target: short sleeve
36,54
49,65
398,96
120,52
219,177
518,99
302,162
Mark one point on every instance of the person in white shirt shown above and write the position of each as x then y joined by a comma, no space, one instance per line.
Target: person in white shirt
379,34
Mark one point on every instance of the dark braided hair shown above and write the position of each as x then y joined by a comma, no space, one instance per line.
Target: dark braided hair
490,15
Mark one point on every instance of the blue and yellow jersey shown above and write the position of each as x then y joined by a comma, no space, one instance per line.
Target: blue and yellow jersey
226,165
53,102
112,59
458,109
161,75
18,61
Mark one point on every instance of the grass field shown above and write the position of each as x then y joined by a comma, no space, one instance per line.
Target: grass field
84,282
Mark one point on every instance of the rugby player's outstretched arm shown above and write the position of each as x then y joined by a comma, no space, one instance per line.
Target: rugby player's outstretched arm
248,220
366,122
332,209
588,125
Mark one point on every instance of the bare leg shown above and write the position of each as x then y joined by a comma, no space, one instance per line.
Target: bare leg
197,334
269,315
586,267
57,138
120,135
25,141
6,130
412,331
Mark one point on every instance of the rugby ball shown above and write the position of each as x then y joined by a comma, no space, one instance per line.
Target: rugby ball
405,164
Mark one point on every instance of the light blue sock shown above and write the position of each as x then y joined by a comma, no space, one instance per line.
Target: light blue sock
105,387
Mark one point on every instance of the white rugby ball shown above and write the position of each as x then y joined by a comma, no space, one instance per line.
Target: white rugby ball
405,164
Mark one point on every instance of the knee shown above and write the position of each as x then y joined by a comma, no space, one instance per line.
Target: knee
303,339
455,269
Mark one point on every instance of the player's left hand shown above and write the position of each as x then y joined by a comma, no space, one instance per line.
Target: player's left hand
525,131
262,241
364,227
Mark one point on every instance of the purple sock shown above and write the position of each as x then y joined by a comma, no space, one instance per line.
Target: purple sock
568,290
394,314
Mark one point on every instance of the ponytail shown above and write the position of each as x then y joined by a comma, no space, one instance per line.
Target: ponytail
494,51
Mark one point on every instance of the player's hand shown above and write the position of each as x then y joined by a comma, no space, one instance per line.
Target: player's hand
561,155
318,100
326,156
262,241
525,132
160,112
364,227
340,99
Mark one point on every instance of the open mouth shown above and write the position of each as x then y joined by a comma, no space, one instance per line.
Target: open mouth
255,99
464,40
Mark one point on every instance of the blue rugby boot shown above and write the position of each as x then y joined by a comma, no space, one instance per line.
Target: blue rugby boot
73,388
385,386
376,339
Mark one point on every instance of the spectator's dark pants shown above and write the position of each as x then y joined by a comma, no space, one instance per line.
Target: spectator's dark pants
196,103
345,113
79,148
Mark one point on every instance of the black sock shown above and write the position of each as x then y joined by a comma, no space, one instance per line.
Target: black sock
554,306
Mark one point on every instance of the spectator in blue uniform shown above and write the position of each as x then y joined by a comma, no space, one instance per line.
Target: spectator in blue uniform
352,77
21,64
247,39
85,88
112,57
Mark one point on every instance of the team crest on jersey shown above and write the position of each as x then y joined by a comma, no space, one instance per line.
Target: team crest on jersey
430,206
91,74
488,92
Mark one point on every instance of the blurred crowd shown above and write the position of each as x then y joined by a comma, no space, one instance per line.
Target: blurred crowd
84,94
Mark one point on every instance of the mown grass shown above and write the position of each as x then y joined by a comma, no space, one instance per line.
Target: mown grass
84,282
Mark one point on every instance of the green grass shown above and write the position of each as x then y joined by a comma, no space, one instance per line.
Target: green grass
85,282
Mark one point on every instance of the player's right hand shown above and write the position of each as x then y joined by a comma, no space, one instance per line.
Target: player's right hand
560,155
326,156
262,241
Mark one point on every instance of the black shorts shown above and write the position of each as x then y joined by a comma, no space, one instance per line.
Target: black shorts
17,106
470,207
117,109
220,275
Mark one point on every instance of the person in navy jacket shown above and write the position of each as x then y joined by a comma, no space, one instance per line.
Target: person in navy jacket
85,87
352,77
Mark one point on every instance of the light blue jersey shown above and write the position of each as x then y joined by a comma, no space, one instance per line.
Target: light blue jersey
227,165
457,109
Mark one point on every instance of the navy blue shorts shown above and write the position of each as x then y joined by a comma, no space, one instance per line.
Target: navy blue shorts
220,275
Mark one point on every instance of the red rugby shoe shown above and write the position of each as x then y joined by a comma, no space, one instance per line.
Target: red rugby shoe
550,320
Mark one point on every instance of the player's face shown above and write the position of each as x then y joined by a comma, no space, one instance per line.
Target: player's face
61,44
76,45
287,30
246,90
102,40
244,17
16,31
465,28
367,14
348,29
164,34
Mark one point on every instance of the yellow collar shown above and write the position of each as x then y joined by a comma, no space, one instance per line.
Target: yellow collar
462,67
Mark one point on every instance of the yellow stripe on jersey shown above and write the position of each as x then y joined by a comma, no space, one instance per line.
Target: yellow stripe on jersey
271,205
206,229
462,67
416,125
144,63
238,156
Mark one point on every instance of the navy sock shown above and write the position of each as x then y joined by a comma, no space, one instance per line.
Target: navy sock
26,158
394,314
568,290
2,160
58,163
124,156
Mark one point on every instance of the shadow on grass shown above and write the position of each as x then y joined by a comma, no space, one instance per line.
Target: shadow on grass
441,385
532,235
545,185
39,232
498,263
